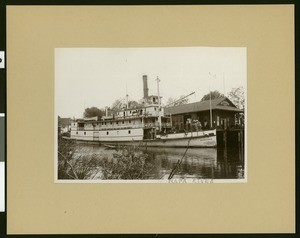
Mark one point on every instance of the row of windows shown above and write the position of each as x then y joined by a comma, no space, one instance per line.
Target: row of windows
119,113
110,123
135,111
83,133
107,133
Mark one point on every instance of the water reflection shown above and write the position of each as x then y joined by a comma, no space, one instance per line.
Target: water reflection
199,163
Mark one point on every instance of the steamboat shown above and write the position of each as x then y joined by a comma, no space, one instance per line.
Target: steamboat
146,125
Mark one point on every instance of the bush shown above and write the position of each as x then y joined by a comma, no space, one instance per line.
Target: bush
66,151
128,162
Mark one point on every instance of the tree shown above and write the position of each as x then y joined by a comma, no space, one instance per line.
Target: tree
120,103
129,162
214,94
93,112
176,102
236,95
134,104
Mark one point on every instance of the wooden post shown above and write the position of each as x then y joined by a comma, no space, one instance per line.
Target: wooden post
225,161
242,139
225,151
239,139
225,138
212,170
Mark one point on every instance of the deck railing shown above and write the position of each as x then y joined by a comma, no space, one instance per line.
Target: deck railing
120,127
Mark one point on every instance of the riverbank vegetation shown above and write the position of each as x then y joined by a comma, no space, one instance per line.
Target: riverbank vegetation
129,162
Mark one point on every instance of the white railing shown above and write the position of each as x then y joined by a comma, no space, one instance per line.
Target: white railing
120,127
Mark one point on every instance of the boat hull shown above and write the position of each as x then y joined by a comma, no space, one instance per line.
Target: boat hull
194,142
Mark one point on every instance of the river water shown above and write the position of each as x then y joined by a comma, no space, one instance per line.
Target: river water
197,164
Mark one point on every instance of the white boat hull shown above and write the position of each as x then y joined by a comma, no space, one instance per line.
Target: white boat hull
201,139
195,142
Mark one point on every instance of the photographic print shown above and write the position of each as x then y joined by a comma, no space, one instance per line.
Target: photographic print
159,115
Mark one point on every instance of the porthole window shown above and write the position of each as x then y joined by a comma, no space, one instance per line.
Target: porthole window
76,132
107,133
129,132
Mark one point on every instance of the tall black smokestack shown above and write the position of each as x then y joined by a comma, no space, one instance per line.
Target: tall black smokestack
145,83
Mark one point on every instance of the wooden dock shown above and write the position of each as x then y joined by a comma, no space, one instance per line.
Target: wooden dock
231,138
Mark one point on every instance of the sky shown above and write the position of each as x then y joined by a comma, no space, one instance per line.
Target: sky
86,77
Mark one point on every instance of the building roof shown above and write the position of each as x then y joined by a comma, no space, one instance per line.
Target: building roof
222,103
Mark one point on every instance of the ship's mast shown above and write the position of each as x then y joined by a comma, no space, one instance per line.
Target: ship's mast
210,110
126,98
223,84
159,106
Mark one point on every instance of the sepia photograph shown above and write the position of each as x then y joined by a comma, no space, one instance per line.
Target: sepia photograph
158,115
149,119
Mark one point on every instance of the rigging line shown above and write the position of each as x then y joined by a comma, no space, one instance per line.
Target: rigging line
179,161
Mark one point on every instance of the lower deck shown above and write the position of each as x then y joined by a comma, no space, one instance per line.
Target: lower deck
137,137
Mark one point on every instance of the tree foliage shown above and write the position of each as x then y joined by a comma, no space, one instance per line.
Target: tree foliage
214,94
120,104
134,104
236,95
66,150
172,101
129,162
93,112
73,163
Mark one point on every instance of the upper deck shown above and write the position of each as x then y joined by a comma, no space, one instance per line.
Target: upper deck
146,117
